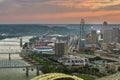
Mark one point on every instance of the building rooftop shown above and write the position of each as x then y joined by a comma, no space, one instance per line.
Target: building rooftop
73,57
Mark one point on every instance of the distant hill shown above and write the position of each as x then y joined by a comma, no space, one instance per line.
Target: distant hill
33,29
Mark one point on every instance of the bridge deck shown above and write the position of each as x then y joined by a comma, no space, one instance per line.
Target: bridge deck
15,64
11,53
20,67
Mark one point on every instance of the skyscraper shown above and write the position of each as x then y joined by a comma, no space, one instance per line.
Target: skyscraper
116,34
93,36
105,26
107,33
82,33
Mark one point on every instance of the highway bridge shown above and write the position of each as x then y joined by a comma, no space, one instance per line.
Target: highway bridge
9,54
19,64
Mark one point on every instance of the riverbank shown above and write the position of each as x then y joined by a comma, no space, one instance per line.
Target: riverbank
11,45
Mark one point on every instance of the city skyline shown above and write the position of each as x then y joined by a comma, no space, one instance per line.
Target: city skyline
59,11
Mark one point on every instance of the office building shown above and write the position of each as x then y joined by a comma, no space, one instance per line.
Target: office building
82,38
116,35
107,33
93,37
105,26
60,49
70,60
63,38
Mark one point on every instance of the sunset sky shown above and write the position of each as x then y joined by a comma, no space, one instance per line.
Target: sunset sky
59,11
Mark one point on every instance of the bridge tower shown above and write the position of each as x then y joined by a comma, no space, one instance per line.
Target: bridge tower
21,42
27,71
9,56
37,71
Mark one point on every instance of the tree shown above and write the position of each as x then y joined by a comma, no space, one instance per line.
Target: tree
98,58
25,46
119,69
34,39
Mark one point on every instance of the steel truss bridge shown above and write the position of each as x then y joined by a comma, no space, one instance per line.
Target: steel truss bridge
54,76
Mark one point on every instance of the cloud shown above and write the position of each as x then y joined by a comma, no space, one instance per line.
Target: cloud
105,3
86,4
38,16
16,7
56,6
1,1
38,10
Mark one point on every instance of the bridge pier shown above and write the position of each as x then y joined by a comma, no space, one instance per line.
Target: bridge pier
37,71
27,71
9,56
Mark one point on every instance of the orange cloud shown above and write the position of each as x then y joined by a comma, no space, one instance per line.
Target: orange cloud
90,4
53,10
61,15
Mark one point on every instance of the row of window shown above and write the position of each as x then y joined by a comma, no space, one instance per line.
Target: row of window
75,61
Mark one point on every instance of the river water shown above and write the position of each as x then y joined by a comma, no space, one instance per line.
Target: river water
11,45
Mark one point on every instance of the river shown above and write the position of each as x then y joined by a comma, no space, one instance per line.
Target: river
12,45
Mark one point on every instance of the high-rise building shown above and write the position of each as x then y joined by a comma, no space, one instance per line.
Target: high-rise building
107,36
105,26
116,35
107,33
82,38
93,38
63,38
60,49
